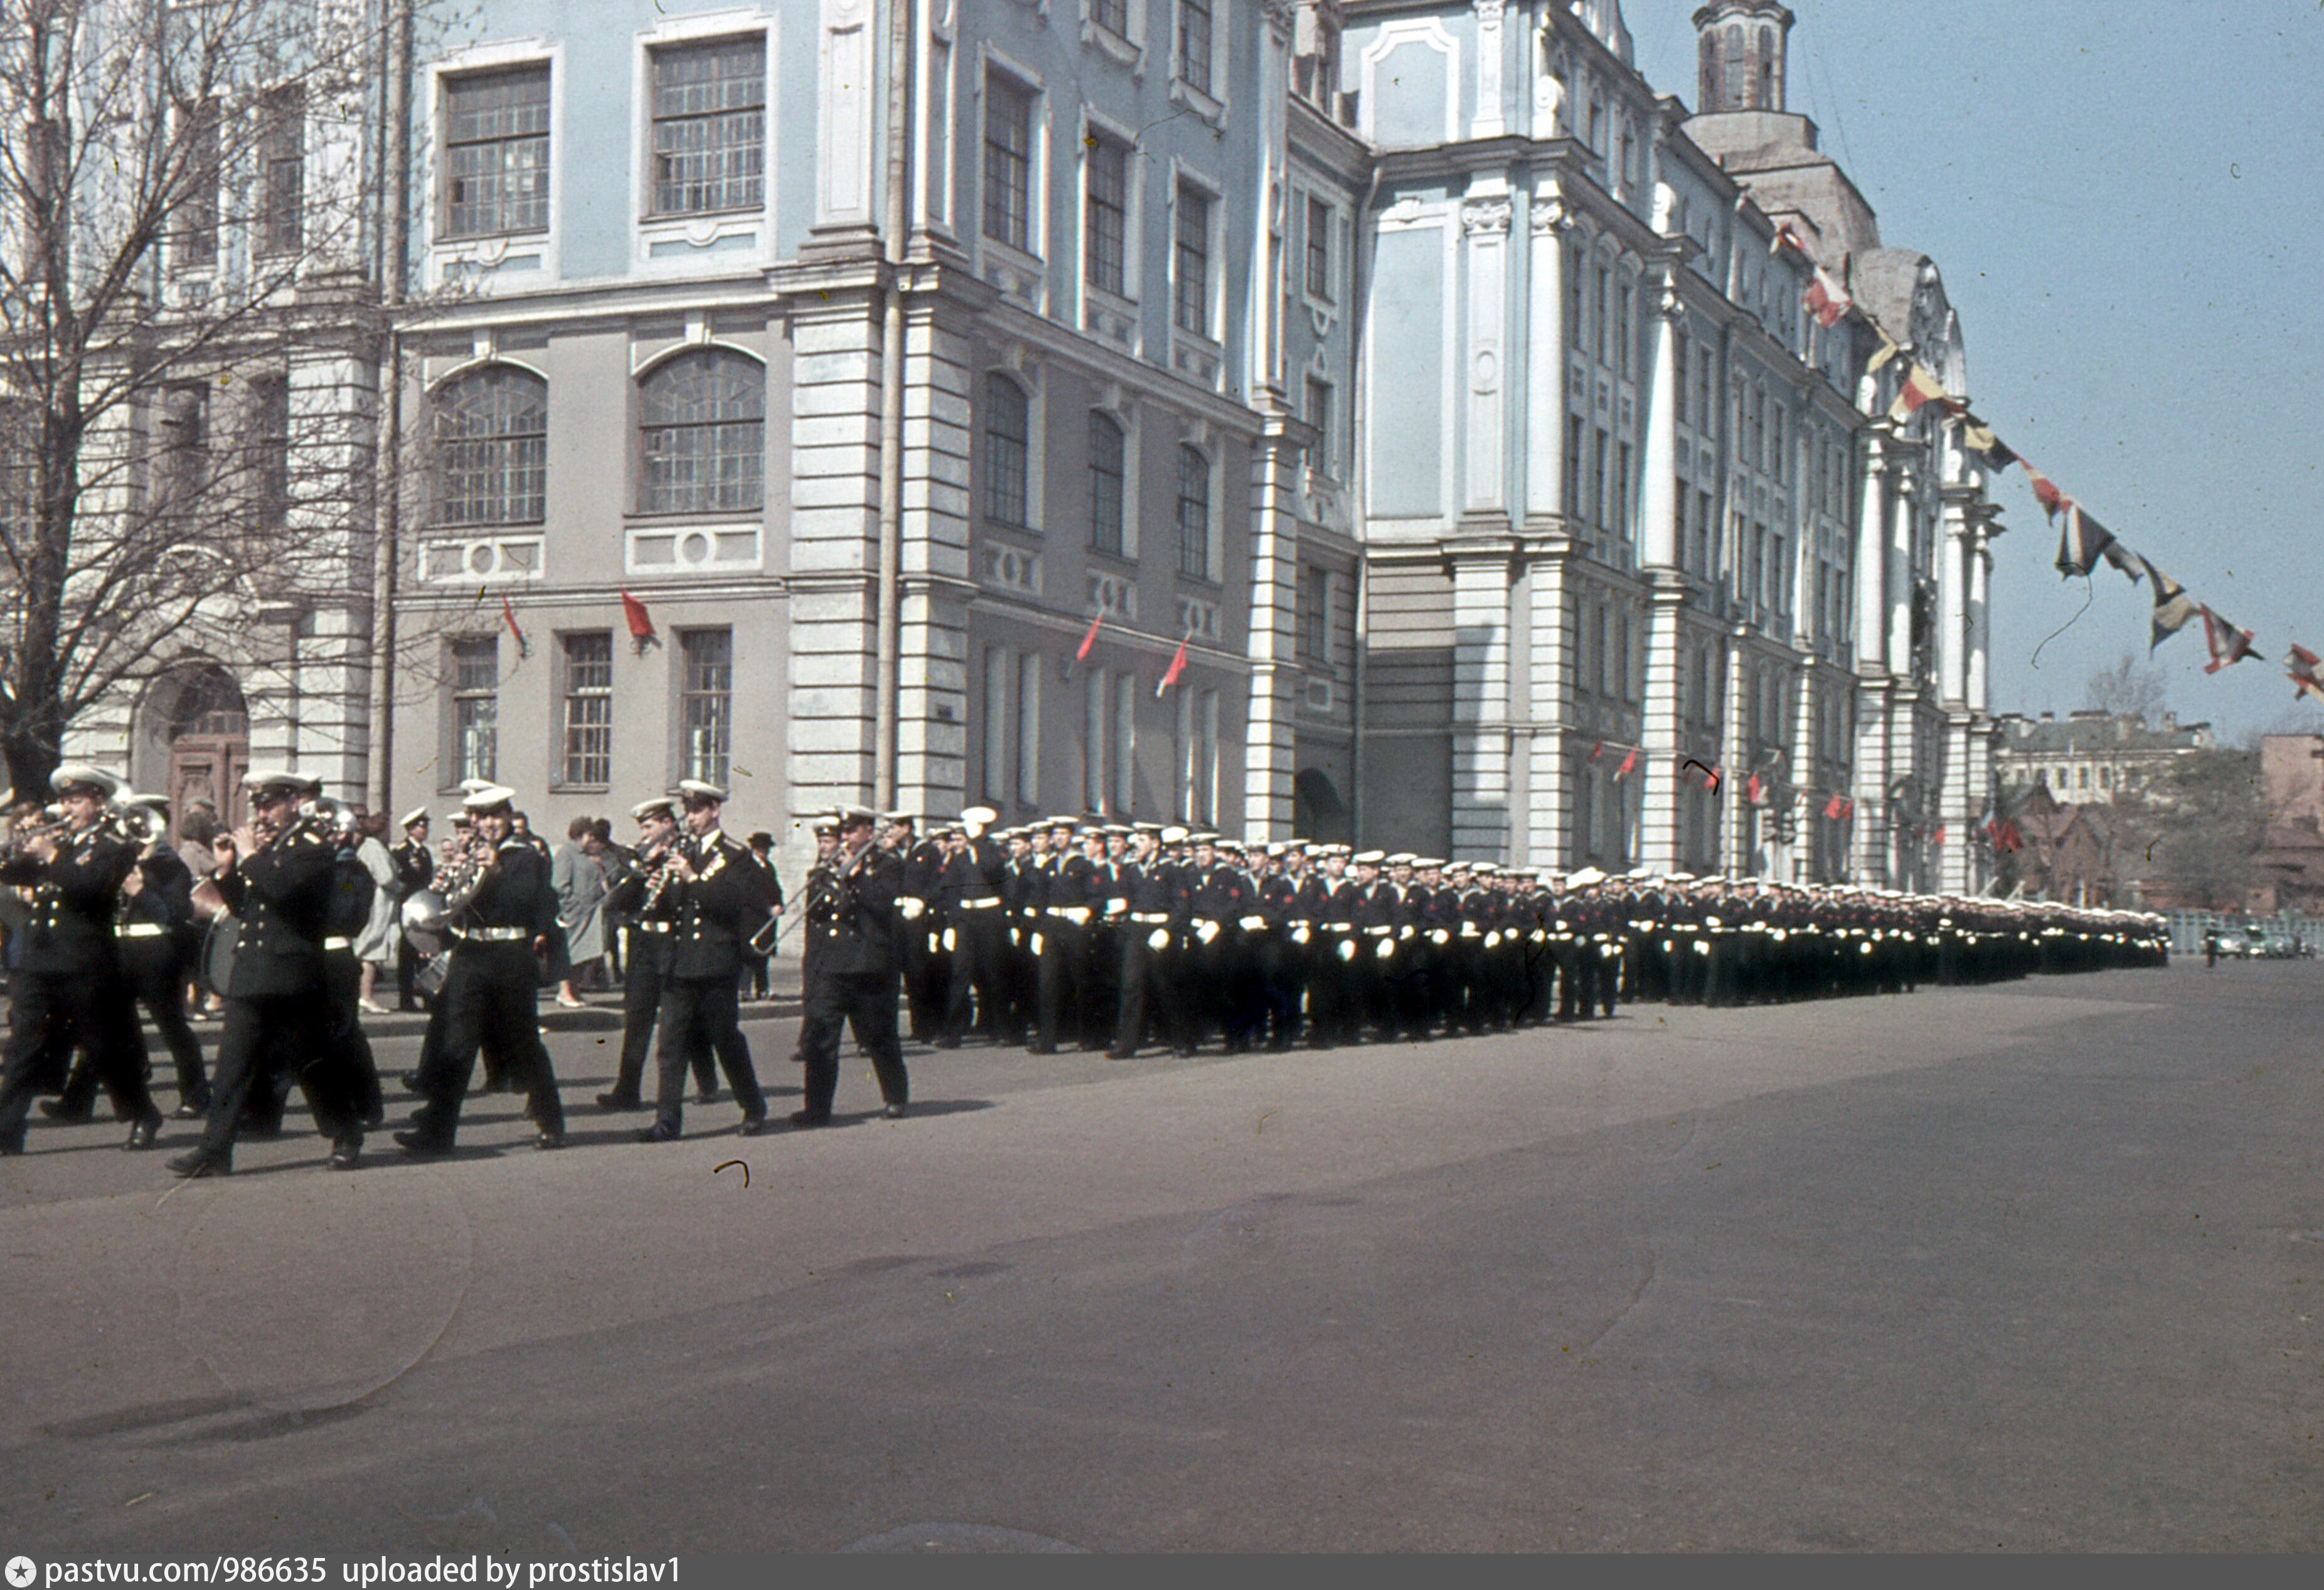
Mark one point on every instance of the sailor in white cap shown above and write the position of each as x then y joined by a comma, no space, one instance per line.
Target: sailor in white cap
67,991
851,962
640,898
968,898
279,878
720,896
499,911
415,873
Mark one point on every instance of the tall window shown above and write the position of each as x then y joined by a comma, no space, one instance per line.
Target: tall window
1191,299
282,170
1105,484
1314,614
269,400
1196,755
1319,249
198,213
475,708
1326,459
997,665
706,702
1195,43
1095,694
1007,431
181,458
704,430
1008,162
1193,514
1028,728
710,126
589,708
1122,772
1107,222
492,447
496,153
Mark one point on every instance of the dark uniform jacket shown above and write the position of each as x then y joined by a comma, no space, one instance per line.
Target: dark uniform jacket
415,868
281,898
509,896
71,926
727,902
850,915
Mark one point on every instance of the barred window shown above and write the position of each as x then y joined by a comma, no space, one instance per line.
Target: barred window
1106,455
589,708
707,705
1007,431
1314,614
1108,216
1191,301
496,153
197,209
492,447
269,418
1195,43
704,433
1327,458
1193,514
1114,16
282,164
1008,162
475,708
1319,249
710,126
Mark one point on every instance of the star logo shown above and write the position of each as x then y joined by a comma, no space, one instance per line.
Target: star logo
21,1571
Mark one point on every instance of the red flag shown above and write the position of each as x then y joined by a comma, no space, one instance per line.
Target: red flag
1090,639
1920,389
1630,764
1598,751
2046,492
2009,838
1752,789
2228,644
1939,836
508,617
1838,808
1826,299
641,629
1170,674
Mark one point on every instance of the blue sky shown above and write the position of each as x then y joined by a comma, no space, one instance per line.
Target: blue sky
2125,200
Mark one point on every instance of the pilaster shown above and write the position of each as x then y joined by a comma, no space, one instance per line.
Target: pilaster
1271,734
1480,695
1658,821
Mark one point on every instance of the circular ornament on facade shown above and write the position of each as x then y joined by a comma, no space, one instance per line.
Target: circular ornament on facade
480,558
694,546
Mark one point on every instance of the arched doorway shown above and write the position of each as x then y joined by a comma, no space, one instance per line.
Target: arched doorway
203,728
1317,812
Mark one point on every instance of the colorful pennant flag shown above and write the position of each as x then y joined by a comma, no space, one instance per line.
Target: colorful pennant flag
1988,449
2302,670
508,618
2174,609
1597,751
2080,540
1170,674
1753,788
2009,838
2045,492
1826,299
1630,764
1090,639
1838,808
2228,644
1939,836
1920,390
641,623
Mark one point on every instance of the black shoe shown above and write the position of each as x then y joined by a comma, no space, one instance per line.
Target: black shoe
12,1145
143,1134
411,1083
809,1118
947,1044
346,1154
1121,1054
263,1131
618,1101
708,1095
752,1126
193,1105
203,1162
896,1112
423,1145
1184,1051
660,1132
57,1109
1042,1049
549,1138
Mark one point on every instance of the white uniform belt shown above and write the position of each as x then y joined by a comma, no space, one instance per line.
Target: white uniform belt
338,944
1149,916
1339,927
140,931
653,926
988,903
493,935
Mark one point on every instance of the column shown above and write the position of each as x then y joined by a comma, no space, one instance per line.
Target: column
1545,354
932,641
1658,496
1872,558
1270,758
1549,810
1485,237
1480,694
1735,752
1488,121
1658,817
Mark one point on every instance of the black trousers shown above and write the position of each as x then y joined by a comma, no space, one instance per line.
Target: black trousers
488,1004
49,1015
344,1037
265,1037
980,946
700,1015
866,1003
1065,969
641,990
154,975
408,962
1149,988
924,972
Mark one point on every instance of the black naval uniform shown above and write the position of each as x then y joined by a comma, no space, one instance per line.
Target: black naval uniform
728,899
1148,987
277,1009
1069,902
652,918
969,899
157,937
853,960
923,959
415,870
488,1000
68,988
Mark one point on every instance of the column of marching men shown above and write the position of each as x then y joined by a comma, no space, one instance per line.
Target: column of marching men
1064,935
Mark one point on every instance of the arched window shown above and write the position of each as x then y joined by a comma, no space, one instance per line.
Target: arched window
492,447
1193,514
1106,452
1008,436
703,427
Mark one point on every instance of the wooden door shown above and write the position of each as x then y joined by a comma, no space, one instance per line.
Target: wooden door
208,767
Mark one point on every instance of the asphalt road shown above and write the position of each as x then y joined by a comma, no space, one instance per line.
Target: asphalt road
2039,1267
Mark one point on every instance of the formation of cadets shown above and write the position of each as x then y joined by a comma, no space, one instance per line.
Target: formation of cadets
1065,935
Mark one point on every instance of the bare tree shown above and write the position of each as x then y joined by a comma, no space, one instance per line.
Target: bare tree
2130,688
187,309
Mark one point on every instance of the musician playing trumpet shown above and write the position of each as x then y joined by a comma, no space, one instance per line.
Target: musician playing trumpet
67,992
642,894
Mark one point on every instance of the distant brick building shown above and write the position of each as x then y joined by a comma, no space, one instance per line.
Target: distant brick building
2090,756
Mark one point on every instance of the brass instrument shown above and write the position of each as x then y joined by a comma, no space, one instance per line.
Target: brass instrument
17,841
457,882
655,865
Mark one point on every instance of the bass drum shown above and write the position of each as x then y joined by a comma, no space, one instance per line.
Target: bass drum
217,953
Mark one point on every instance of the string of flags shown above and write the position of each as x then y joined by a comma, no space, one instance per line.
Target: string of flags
2083,542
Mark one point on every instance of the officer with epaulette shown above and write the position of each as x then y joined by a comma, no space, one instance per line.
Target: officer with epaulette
719,895
278,877
415,871
68,990
640,893
498,911
853,963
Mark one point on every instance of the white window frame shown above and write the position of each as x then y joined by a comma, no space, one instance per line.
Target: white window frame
1209,104
1128,49
702,232
1182,177
990,63
482,257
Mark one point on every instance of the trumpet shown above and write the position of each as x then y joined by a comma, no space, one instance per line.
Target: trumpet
14,848
458,881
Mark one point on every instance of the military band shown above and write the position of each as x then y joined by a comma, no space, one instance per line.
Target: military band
1062,935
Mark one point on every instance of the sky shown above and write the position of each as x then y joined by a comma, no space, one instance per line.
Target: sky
2126,201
